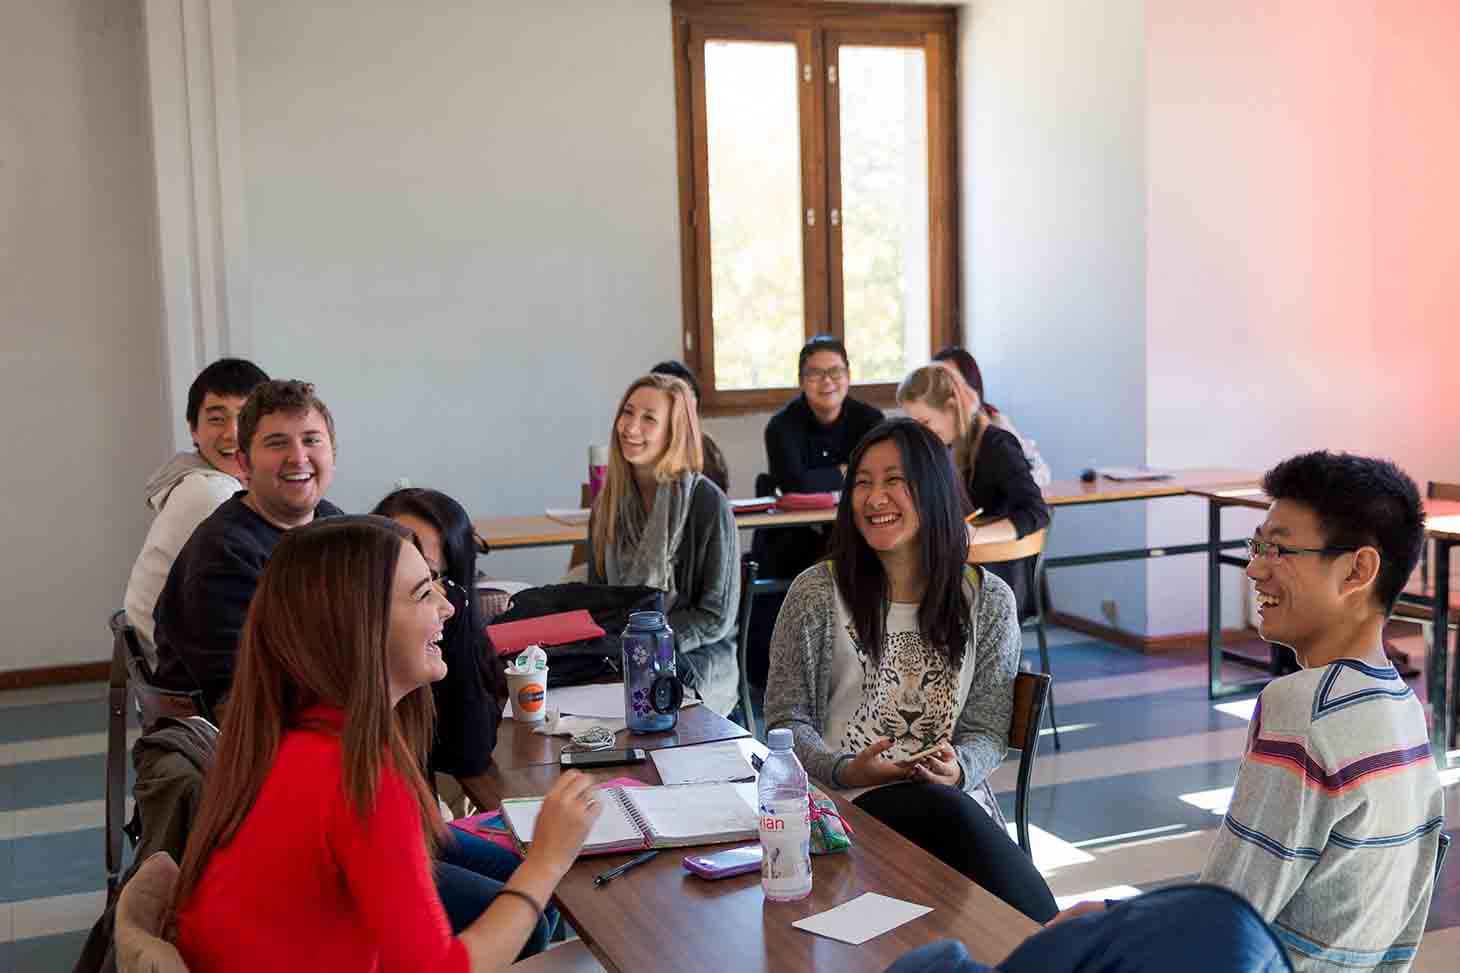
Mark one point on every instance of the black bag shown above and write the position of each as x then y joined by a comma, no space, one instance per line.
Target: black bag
610,605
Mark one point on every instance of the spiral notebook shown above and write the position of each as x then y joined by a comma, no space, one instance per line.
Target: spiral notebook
653,817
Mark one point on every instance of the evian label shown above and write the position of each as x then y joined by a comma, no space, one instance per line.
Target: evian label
785,837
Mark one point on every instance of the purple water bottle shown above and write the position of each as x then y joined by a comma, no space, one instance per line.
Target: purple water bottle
652,692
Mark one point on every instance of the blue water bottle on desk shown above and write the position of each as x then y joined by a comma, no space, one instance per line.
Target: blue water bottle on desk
652,691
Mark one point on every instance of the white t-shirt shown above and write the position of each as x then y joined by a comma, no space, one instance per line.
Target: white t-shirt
910,694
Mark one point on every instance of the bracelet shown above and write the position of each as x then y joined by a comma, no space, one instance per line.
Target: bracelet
536,909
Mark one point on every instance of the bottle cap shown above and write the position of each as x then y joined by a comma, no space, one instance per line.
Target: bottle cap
779,739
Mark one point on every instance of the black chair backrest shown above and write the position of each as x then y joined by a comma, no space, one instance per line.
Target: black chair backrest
1440,853
116,750
1031,689
748,570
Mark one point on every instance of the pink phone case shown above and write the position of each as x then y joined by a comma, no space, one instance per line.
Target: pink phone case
723,864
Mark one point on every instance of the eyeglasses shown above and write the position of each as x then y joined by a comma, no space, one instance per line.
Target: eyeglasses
1271,551
836,373
445,586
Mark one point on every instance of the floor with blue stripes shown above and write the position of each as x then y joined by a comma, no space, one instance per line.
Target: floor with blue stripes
1129,804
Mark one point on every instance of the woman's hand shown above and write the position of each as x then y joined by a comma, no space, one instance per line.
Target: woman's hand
937,768
567,814
868,768
1075,911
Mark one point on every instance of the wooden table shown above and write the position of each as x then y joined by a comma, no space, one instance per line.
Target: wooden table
660,917
1442,526
519,533
518,746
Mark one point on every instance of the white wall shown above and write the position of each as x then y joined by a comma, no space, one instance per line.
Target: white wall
1053,181
81,413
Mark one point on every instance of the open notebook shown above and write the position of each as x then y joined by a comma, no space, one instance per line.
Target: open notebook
654,817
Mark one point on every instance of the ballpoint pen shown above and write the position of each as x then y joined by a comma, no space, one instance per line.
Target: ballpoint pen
614,873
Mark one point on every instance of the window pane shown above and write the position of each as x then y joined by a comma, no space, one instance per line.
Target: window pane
753,130
883,95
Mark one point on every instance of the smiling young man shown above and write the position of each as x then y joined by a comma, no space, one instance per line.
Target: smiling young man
1335,817
191,485
286,447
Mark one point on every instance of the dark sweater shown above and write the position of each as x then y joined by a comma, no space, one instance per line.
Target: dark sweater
1003,486
201,610
803,455
467,708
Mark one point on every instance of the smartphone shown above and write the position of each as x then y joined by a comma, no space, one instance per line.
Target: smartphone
583,759
723,864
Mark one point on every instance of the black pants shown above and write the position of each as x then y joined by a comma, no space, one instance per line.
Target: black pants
949,825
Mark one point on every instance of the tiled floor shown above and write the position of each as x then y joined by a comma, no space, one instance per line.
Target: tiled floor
1131,802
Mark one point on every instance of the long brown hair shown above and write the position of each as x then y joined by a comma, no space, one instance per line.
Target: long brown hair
683,454
316,633
938,389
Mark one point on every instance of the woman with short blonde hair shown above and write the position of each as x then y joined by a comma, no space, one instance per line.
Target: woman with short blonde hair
659,522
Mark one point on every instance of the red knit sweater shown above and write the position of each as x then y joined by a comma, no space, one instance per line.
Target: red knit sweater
308,884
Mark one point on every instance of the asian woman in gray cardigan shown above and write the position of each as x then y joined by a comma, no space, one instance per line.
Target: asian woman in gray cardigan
660,522
893,664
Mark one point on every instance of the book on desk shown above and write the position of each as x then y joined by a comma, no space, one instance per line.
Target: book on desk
635,818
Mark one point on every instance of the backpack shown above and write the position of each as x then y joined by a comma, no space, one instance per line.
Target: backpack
610,605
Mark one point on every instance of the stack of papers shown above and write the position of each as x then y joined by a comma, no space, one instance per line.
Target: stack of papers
1120,473
705,763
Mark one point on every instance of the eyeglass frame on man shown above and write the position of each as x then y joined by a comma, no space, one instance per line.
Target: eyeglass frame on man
1259,548
837,373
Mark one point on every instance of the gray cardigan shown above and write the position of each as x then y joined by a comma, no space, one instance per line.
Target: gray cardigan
707,599
798,688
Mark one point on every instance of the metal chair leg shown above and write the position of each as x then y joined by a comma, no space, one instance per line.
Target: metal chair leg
1039,629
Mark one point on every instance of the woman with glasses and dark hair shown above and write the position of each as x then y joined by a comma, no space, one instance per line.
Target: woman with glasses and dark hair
468,702
964,367
807,445
311,842
893,664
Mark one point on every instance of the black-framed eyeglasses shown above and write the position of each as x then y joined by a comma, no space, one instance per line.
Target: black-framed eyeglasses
836,373
446,586
1271,550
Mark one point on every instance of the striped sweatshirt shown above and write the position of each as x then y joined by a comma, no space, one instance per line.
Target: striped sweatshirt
1335,818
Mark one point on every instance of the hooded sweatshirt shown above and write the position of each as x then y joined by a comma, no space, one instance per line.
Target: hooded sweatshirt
184,491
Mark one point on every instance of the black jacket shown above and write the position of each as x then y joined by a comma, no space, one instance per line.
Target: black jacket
202,607
803,455
1003,486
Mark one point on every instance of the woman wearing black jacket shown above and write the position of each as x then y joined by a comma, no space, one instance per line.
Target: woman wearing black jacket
991,461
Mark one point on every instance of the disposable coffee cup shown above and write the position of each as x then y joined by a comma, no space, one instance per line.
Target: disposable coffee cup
528,691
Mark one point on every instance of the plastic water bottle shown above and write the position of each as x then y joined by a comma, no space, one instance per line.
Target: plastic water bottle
785,822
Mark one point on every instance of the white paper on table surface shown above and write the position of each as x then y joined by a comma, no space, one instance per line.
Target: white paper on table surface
866,917
1122,473
708,762
572,516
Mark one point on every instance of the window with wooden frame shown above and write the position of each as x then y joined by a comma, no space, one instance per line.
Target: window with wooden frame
818,191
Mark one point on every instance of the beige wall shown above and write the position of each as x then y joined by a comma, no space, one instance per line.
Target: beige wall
81,413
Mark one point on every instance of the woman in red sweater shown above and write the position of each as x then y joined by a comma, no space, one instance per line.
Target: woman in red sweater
310,850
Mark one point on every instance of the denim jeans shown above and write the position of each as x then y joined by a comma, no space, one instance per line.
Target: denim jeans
1190,928
469,872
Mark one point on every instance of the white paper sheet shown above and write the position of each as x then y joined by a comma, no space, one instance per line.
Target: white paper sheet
707,762
866,917
572,516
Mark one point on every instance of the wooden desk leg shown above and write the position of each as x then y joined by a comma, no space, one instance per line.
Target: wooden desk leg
1437,662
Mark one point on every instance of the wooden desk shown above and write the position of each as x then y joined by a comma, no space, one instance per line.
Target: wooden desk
517,533
519,747
660,917
1442,527
1064,493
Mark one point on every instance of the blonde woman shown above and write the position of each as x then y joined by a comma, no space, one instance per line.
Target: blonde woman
990,461
658,521
963,366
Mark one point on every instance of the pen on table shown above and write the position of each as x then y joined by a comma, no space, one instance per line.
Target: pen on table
614,873
970,517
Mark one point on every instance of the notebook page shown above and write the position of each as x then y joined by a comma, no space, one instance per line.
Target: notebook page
695,814
704,763
614,827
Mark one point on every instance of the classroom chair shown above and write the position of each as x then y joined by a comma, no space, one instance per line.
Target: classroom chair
141,911
1031,545
748,571
1030,691
131,677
